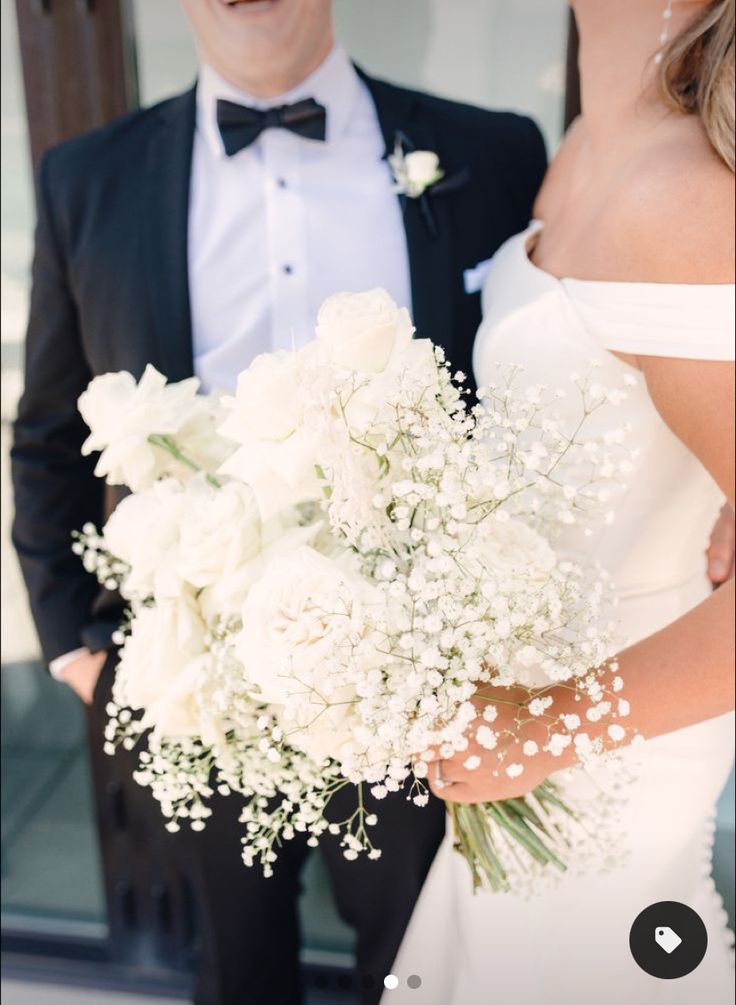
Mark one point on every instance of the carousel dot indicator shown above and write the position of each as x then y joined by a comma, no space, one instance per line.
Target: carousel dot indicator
390,982
414,982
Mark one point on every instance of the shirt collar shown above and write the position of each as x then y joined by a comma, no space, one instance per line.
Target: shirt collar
333,84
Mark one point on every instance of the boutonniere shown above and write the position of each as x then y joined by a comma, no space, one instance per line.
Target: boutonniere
414,171
418,175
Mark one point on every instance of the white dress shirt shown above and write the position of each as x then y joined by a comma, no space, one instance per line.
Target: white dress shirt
279,226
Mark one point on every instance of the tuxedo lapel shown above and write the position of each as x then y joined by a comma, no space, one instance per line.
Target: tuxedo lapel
429,247
166,188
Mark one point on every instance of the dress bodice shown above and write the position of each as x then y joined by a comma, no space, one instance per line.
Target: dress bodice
666,509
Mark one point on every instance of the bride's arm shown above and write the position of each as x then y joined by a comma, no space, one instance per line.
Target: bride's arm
683,674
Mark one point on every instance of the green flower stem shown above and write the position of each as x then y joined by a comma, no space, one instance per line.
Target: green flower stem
518,822
168,444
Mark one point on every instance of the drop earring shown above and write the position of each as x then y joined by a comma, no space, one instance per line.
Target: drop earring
665,34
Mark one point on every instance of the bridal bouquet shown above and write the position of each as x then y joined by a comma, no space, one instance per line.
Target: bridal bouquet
325,570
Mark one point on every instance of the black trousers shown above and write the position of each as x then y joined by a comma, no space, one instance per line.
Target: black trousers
249,926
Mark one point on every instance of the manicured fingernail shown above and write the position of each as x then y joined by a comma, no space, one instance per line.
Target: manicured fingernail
718,568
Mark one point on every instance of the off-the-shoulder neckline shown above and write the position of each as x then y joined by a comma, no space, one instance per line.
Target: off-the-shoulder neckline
609,285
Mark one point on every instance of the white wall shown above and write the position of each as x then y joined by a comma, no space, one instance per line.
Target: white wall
500,53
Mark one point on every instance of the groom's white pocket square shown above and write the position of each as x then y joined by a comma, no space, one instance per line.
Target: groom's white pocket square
474,278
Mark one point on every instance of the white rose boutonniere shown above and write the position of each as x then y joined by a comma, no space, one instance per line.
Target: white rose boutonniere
414,172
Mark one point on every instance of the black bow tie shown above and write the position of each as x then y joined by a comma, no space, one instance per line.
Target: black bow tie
240,126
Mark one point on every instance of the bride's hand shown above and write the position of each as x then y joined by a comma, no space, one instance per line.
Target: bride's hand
478,775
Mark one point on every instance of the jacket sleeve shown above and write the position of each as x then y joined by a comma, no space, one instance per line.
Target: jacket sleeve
55,488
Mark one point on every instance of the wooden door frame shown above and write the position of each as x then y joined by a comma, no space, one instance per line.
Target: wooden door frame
79,69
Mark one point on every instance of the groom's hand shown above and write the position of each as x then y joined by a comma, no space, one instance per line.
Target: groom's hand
721,548
83,673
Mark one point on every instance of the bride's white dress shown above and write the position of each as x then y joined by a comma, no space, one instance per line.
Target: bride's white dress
569,944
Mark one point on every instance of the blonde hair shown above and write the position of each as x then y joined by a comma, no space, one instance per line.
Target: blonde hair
696,74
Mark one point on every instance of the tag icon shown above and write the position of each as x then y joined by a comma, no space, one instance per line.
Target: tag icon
667,939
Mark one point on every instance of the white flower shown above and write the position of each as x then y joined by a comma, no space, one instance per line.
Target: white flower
510,549
472,763
303,605
226,595
281,475
267,403
414,172
538,706
159,664
278,448
363,331
557,743
486,737
175,534
220,531
616,732
299,621
143,531
514,770
122,414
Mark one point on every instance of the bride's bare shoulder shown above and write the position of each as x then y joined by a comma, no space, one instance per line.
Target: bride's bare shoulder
672,220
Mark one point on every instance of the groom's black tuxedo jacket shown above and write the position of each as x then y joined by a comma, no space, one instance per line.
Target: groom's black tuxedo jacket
110,292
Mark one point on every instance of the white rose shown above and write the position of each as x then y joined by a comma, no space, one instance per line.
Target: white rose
226,595
122,414
362,331
175,534
155,661
176,712
319,729
508,550
422,169
201,440
277,452
415,171
281,474
143,531
220,531
412,372
298,620
267,403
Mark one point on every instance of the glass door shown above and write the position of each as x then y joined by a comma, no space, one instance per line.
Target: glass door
51,879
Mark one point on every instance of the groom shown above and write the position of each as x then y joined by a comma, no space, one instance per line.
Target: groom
195,235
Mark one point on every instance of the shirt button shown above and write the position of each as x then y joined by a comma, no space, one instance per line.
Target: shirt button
288,269
282,183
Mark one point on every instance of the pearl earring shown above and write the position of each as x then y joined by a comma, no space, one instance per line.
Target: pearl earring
665,35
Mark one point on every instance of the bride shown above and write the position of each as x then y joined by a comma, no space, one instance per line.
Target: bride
630,261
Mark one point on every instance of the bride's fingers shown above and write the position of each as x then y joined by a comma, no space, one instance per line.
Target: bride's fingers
459,793
454,773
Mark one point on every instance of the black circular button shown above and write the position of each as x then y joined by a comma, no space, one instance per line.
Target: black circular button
668,940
